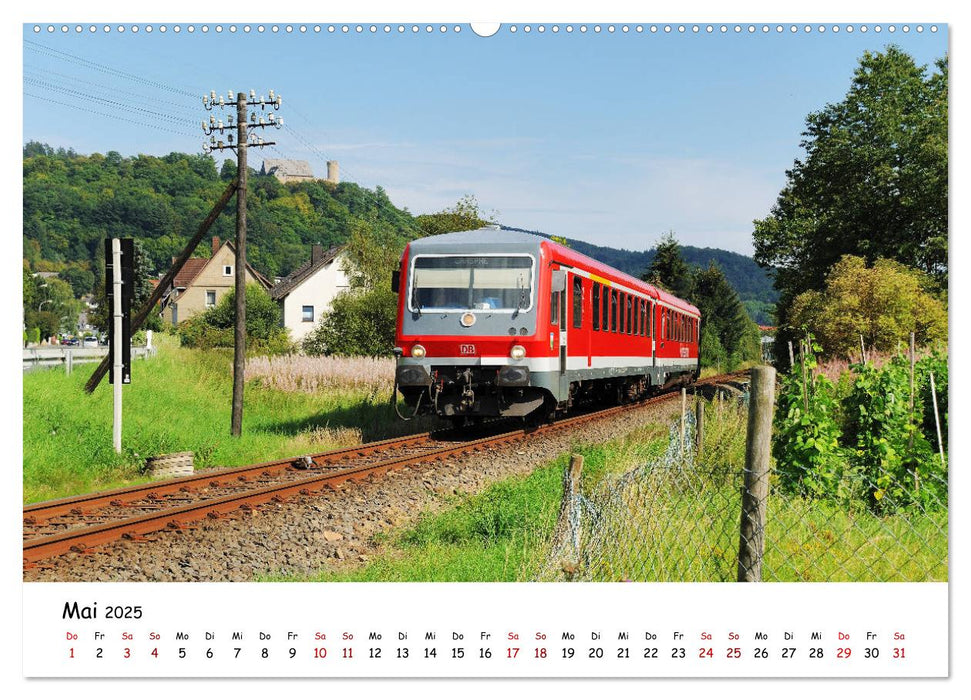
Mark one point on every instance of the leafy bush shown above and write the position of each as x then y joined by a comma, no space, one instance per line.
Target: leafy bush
215,327
807,450
882,303
361,322
886,447
859,439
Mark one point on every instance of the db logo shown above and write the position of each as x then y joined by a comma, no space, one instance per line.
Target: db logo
466,349
684,352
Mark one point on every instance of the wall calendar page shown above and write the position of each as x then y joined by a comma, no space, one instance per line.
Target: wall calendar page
368,349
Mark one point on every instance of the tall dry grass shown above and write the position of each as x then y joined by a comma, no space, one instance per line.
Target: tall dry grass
302,373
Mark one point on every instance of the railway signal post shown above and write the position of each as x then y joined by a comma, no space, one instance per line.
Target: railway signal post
243,138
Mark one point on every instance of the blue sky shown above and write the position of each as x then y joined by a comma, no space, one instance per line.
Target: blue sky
609,138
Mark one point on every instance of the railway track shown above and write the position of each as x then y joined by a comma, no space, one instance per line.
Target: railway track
81,523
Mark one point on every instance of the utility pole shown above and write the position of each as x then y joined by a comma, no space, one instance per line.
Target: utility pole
244,139
117,339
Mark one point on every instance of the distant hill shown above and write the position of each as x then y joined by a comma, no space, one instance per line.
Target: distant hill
753,284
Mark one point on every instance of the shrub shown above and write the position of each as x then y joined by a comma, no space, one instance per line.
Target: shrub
361,322
807,450
215,327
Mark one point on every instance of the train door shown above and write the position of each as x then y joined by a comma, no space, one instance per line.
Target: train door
578,330
558,334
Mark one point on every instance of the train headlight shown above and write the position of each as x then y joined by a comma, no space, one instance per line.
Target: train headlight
417,351
518,352
467,319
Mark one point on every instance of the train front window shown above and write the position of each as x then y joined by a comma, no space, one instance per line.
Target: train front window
461,282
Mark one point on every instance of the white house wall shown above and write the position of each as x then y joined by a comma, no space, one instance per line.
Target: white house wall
318,291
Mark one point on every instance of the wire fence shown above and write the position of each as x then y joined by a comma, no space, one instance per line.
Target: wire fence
696,517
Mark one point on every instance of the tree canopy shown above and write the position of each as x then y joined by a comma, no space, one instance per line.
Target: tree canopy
668,269
73,202
881,304
873,182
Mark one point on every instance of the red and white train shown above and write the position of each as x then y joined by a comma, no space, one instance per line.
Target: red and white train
501,323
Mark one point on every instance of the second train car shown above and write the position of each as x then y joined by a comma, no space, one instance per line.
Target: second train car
502,323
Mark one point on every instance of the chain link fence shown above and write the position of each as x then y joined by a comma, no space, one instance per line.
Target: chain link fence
682,517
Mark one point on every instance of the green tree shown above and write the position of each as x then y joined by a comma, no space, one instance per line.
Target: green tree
464,215
873,182
728,333
80,279
361,322
362,319
668,268
883,304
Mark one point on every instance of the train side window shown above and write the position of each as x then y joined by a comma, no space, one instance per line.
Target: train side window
620,323
613,310
605,326
637,316
577,301
596,306
554,311
630,315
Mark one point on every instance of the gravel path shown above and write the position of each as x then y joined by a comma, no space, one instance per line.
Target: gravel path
335,529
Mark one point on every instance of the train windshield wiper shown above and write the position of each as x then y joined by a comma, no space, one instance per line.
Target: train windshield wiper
415,304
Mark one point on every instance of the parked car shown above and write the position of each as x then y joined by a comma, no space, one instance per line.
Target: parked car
90,341
73,342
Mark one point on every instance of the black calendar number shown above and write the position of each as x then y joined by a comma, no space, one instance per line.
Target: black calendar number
623,653
788,652
677,653
237,650
871,653
181,652
596,652
99,654
293,652
485,653
431,653
816,653
458,653
375,653
265,653
568,652
209,653
402,652
650,652
761,653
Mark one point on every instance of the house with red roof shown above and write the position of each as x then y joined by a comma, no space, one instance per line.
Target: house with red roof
202,282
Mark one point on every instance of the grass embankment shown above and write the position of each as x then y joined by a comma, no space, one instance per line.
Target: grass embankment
671,523
500,534
181,400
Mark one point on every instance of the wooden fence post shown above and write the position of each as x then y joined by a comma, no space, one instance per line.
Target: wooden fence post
699,425
571,486
758,446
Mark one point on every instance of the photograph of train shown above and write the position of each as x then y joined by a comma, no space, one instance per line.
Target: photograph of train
524,302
